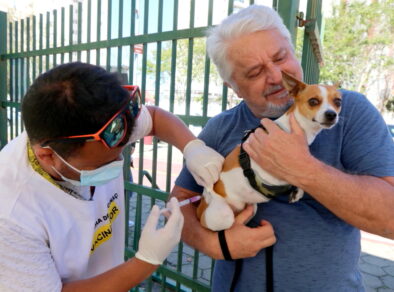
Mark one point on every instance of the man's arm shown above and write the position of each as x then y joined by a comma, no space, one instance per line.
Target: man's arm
365,202
169,128
120,278
242,241
203,162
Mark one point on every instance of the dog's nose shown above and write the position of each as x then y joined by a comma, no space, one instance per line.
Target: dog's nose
330,115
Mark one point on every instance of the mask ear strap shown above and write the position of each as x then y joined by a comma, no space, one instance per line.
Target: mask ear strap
65,162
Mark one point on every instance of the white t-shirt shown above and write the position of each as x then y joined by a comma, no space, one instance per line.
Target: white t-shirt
48,236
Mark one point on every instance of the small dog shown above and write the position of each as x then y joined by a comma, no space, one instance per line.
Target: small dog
242,181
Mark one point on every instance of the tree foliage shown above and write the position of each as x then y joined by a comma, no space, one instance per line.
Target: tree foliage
359,48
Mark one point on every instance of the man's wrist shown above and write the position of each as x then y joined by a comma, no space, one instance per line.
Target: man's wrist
223,245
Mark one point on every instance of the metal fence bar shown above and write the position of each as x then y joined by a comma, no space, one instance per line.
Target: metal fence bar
71,31
40,42
309,62
109,28
88,29
54,45
3,79
79,30
28,42
48,44
62,32
16,84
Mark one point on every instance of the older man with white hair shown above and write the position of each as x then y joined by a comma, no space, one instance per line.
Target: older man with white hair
347,173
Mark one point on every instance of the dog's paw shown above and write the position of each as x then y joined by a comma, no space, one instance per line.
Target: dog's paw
296,195
218,217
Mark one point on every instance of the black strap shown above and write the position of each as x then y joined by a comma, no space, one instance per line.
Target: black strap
265,190
269,269
237,273
223,246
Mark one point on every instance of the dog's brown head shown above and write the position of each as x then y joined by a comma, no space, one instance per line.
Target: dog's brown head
318,103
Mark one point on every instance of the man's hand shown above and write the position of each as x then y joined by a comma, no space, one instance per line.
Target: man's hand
282,154
156,244
243,241
203,162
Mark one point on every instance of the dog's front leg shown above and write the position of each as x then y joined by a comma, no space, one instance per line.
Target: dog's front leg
218,215
296,195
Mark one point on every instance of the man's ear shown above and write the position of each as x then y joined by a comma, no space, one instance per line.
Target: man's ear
44,155
228,85
292,84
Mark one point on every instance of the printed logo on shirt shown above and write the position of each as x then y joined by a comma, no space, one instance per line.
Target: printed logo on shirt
104,233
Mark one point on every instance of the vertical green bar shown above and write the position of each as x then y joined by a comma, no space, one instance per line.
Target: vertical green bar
22,76
143,86
54,35
132,33
120,34
88,29
230,10
190,62
172,87
98,30
28,60
309,61
79,29
207,66
48,38
62,33
12,75
17,88
157,86
3,79
275,4
288,11
40,42
34,61
71,31
109,28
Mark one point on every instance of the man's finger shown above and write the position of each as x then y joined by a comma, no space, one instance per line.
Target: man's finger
269,125
294,125
245,215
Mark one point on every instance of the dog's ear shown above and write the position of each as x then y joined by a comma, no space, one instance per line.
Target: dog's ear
292,84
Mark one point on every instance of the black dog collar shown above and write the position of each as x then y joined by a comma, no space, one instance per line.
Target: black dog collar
265,190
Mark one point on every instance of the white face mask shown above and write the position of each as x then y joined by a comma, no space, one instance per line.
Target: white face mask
95,177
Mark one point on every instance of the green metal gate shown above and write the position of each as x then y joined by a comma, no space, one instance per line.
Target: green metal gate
159,45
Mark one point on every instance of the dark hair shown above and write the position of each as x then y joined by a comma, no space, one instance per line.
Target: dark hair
72,99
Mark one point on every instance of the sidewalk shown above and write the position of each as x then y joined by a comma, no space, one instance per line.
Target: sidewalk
377,263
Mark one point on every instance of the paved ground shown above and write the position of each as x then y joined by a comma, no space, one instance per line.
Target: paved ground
376,263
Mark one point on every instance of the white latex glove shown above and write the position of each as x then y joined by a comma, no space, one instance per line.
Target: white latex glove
204,163
156,244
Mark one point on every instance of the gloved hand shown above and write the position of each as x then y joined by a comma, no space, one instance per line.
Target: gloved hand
156,244
204,163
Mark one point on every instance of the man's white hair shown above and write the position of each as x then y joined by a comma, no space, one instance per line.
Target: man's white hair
246,21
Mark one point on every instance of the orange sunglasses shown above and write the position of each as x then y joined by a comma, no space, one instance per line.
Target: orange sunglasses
113,131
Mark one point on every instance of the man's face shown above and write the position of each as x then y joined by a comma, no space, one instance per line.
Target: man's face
257,61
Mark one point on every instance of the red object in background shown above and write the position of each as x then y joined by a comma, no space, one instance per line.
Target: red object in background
148,140
138,49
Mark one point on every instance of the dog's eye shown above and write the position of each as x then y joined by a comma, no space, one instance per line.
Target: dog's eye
338,102
313,101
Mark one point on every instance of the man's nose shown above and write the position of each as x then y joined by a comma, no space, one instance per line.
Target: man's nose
274,74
